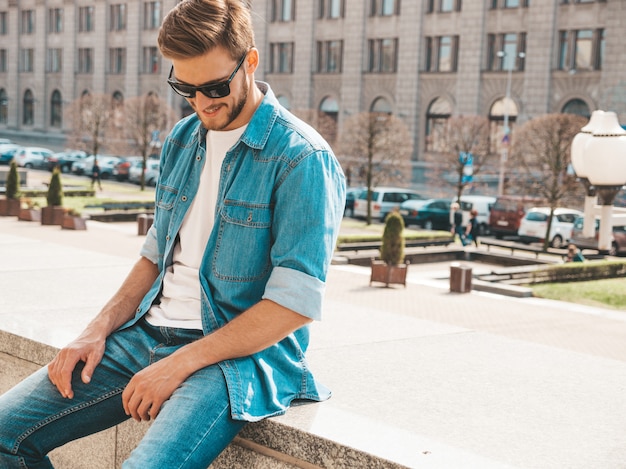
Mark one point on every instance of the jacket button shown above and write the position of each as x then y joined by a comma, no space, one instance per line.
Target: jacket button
184,198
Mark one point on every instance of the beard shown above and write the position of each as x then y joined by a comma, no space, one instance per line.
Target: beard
231,115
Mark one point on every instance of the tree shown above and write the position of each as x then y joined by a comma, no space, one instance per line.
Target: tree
320,121
91,120
465,151
146,118
541,153
377,147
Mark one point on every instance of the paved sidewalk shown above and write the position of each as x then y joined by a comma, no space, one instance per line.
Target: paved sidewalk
421,376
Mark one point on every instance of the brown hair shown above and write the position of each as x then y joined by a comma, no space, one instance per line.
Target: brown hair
194,27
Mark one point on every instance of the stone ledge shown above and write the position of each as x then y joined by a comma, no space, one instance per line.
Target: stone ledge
270,444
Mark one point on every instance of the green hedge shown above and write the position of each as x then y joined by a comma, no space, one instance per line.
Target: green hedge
579,271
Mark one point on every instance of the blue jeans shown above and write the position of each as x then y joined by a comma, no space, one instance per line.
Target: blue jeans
192,429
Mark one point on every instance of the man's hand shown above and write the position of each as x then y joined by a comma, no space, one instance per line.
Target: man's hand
89,349
151,387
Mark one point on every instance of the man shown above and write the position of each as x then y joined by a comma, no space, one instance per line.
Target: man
209,329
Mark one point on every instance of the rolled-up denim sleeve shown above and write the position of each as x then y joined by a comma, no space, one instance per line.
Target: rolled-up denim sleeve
149,250
309,205
297,291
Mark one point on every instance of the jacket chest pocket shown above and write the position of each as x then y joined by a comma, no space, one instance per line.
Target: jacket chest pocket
242,251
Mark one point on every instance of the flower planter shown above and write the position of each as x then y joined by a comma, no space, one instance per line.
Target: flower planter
52,215
10,207
388,274
72,222
29,214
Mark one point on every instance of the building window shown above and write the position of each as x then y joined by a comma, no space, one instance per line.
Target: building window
4,107
329,55
437,117
442,53
502,107
151,60
581,49
118,17
331,8
382,55
151,15
117,60
54,60
3,60
281,57
509,4
505,51
55,20
443,6
85,61
283,10
578,107
85,19
384,7
28,22
381,106
27,60
4,30
28,118
56,110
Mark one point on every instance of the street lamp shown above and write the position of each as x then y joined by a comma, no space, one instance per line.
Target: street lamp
506,138
604,161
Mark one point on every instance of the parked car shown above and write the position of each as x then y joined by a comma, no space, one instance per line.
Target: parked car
351,194
483,204
431,214
507,213
5,141
534,225
7,152
106,163
65,160
151,172
121,170
384,200
32,157
618,241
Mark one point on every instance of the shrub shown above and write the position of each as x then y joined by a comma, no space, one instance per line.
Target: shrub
13,182
55,190
392,248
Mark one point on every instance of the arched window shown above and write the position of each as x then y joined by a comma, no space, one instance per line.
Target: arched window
502,108
117,103
330,108
56,109
284,101
578,107
381,105
4,107
28,117
437,117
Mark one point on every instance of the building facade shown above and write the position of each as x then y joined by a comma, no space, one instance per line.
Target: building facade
422,60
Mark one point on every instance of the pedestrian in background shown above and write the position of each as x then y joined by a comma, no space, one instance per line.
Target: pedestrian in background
574,254
456,220
471,230
95,174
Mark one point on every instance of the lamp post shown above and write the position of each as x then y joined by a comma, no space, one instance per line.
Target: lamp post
506,139
604,162
578,147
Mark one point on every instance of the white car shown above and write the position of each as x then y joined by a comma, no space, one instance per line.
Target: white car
151,173
483,204
33,157
533,226
384,200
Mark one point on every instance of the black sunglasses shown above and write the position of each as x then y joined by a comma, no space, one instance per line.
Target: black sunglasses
216,90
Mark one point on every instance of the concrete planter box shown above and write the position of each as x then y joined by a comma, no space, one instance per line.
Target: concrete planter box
72,222
10,207
388,274
52,215
29,214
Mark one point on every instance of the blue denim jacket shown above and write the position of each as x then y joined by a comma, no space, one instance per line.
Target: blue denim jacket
280,203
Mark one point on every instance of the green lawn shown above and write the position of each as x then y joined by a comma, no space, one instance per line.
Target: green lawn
609,293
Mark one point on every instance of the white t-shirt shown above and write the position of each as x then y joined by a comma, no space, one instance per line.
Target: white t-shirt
180,298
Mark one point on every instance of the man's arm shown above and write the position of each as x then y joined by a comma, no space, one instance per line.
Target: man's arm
89,346
261,326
